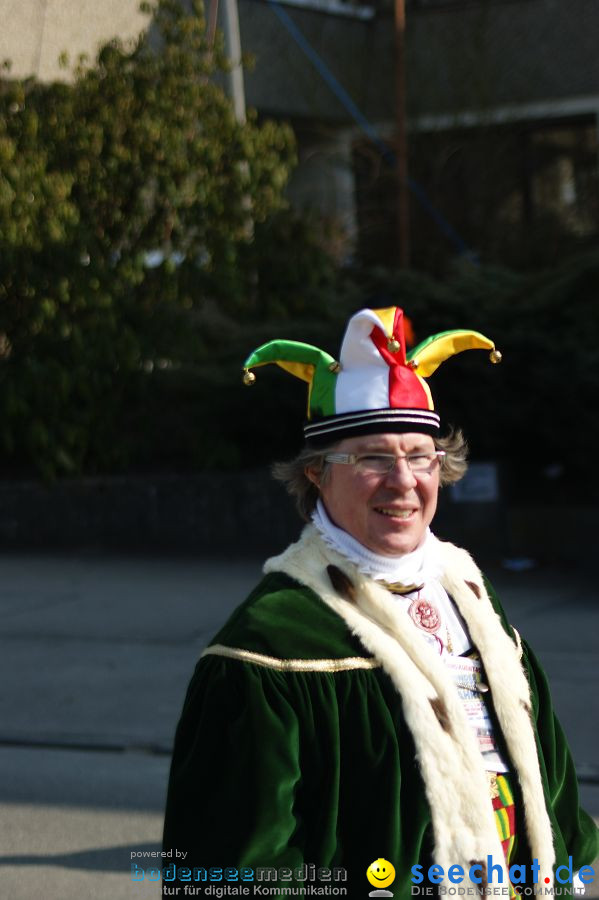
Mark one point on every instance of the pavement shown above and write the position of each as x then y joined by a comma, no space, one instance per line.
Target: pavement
95,655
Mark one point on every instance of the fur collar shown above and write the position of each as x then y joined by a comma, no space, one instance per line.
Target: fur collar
450,762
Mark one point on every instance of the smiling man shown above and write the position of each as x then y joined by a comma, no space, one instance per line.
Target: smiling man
382,489
370,700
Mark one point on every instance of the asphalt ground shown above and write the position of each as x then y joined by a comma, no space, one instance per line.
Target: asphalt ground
96,653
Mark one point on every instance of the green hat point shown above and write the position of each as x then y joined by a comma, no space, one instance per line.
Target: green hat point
312,365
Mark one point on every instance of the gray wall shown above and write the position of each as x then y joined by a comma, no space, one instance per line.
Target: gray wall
246,514
472,56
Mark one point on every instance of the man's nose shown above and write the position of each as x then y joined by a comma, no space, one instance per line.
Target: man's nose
401,476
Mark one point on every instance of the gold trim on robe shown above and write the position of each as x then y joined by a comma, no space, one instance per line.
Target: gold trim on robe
293,665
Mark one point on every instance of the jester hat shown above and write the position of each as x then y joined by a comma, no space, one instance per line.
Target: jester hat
376,386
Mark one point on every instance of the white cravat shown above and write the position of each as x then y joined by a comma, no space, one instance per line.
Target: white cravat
421,566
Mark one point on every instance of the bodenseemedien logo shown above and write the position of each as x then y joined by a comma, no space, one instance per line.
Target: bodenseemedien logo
181,880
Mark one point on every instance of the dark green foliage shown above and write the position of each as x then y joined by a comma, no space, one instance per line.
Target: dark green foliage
139,154
108,363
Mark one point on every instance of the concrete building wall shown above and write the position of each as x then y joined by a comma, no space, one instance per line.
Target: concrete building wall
514,60
497,53
468,57
359,54
324,181
34,33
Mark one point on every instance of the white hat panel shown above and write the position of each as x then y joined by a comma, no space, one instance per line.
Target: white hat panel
363,388
363,382
357,348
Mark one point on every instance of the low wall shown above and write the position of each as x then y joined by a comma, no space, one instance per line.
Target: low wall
201,513
247,514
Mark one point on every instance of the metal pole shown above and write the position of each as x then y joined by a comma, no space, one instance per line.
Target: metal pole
211,25
403,206
232,42
230,20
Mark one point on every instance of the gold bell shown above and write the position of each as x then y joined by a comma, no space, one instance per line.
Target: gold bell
495,356
248,377
335,368
393,346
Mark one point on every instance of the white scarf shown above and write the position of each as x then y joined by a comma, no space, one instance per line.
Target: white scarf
420,566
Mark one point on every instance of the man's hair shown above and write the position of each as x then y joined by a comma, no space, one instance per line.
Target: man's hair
305,493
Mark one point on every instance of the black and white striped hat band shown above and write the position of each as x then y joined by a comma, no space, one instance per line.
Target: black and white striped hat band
421,421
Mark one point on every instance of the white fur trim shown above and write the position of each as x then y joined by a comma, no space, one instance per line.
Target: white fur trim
450,761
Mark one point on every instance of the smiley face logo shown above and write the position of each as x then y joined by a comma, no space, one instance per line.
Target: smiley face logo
380,873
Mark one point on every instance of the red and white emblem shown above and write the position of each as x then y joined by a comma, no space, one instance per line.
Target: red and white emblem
425,615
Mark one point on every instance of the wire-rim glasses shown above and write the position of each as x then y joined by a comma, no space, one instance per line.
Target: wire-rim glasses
384,463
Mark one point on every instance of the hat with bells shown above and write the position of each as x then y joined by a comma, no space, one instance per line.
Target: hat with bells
376,386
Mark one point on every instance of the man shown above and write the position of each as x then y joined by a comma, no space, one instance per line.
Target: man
369,701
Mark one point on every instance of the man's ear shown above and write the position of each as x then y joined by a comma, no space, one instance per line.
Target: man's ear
313,475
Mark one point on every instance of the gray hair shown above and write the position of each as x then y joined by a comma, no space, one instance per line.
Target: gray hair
293,476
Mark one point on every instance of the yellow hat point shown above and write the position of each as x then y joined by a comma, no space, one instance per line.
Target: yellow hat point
248,377
495,356
393,346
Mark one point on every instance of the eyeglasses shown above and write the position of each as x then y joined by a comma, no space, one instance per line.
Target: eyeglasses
384,463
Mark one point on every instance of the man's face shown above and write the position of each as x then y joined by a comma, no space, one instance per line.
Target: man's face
390,513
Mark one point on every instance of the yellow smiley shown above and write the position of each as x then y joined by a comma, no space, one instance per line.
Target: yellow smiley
380,873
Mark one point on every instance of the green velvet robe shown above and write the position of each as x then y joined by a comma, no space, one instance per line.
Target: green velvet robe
277,766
